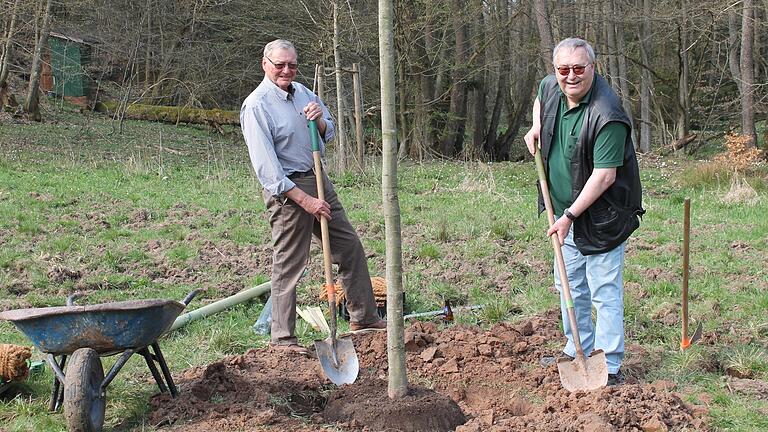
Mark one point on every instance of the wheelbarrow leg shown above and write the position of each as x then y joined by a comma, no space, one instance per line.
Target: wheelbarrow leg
116,368
57,394
164,368
152,368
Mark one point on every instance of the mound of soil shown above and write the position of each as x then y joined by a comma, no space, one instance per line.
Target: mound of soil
461,378
366,404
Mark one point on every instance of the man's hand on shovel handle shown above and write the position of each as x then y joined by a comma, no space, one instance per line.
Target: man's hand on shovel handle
313,111
316,207
532,137
561,227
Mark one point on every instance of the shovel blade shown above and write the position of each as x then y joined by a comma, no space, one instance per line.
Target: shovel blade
341,366
686,343
697,334
584,373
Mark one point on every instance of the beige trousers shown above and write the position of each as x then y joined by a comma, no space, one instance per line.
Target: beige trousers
292,230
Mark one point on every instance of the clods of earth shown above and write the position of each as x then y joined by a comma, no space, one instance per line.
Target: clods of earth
460,378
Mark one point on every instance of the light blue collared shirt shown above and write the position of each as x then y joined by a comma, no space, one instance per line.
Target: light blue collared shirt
277,133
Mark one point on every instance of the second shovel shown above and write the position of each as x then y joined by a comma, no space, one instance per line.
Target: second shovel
686,342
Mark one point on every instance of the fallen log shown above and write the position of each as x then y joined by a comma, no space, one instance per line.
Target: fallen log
682,142
214,118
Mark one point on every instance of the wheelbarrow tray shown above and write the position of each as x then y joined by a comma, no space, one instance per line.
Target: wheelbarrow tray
107,328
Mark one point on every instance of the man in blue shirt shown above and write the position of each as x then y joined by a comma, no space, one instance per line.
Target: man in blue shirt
274,120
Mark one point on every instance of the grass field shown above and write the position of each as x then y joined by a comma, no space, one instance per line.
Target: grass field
157,210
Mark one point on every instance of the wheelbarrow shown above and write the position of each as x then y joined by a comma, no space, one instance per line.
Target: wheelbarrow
87,333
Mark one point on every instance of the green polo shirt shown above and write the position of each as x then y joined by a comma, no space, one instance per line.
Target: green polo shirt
608,149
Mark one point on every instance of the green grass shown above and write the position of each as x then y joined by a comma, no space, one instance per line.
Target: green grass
85,208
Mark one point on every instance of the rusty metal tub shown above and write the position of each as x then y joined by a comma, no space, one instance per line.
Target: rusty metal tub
106,328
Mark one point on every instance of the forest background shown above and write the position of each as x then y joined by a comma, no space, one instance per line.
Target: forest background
466,71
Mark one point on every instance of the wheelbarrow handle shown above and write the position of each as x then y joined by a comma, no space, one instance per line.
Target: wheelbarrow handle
190,296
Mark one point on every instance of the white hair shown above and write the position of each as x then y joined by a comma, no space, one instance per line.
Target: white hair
278,44
571,44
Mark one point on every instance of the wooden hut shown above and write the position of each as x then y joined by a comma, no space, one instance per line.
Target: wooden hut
64,72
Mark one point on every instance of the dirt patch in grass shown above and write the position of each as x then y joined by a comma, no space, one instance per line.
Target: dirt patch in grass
485,379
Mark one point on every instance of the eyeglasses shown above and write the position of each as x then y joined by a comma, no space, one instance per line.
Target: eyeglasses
281,66
577,69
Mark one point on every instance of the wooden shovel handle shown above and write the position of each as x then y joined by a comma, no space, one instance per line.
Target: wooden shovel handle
559,255
330,289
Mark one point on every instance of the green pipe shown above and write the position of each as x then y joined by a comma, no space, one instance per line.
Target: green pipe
220,305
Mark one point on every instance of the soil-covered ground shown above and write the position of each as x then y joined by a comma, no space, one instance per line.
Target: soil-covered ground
461,378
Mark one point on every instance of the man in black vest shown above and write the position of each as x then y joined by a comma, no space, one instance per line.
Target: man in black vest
594,181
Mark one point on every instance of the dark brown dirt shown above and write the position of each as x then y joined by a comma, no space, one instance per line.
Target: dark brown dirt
491,377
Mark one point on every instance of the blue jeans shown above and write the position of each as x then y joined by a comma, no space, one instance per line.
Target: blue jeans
595,280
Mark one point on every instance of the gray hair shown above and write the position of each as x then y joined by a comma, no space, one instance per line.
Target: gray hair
571,44
278,44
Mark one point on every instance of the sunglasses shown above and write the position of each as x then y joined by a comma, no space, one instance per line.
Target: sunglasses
577,69
281,66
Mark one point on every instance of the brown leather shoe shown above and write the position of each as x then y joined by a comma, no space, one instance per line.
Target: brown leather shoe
291,348
380,325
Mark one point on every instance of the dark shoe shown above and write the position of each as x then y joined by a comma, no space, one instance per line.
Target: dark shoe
616,379
291,348
550,360
380,325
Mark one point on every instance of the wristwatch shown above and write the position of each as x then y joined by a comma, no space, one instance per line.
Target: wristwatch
569,215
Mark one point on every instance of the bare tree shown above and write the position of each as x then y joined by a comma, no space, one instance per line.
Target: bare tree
623,77
747,72
683,93
341,136
733,46
478,83
646,81
8,34
398,378
545,33
31,104
453,139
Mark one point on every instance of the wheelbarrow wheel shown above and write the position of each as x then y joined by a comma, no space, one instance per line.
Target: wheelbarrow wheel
84,403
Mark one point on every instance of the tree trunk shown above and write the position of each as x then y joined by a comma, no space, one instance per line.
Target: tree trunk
614,74
624,75
341,136
423,129
733,47
478,135
758,44
148,47
747,73
31,104
546,44
646,80
5,54
502,86
358,88
518,108
402,101
453,140
397,377
683,98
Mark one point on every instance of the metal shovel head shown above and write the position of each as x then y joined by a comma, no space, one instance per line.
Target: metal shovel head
696,334
344,366
583,373
686,343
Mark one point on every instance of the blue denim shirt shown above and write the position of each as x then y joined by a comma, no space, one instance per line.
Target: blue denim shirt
277,133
